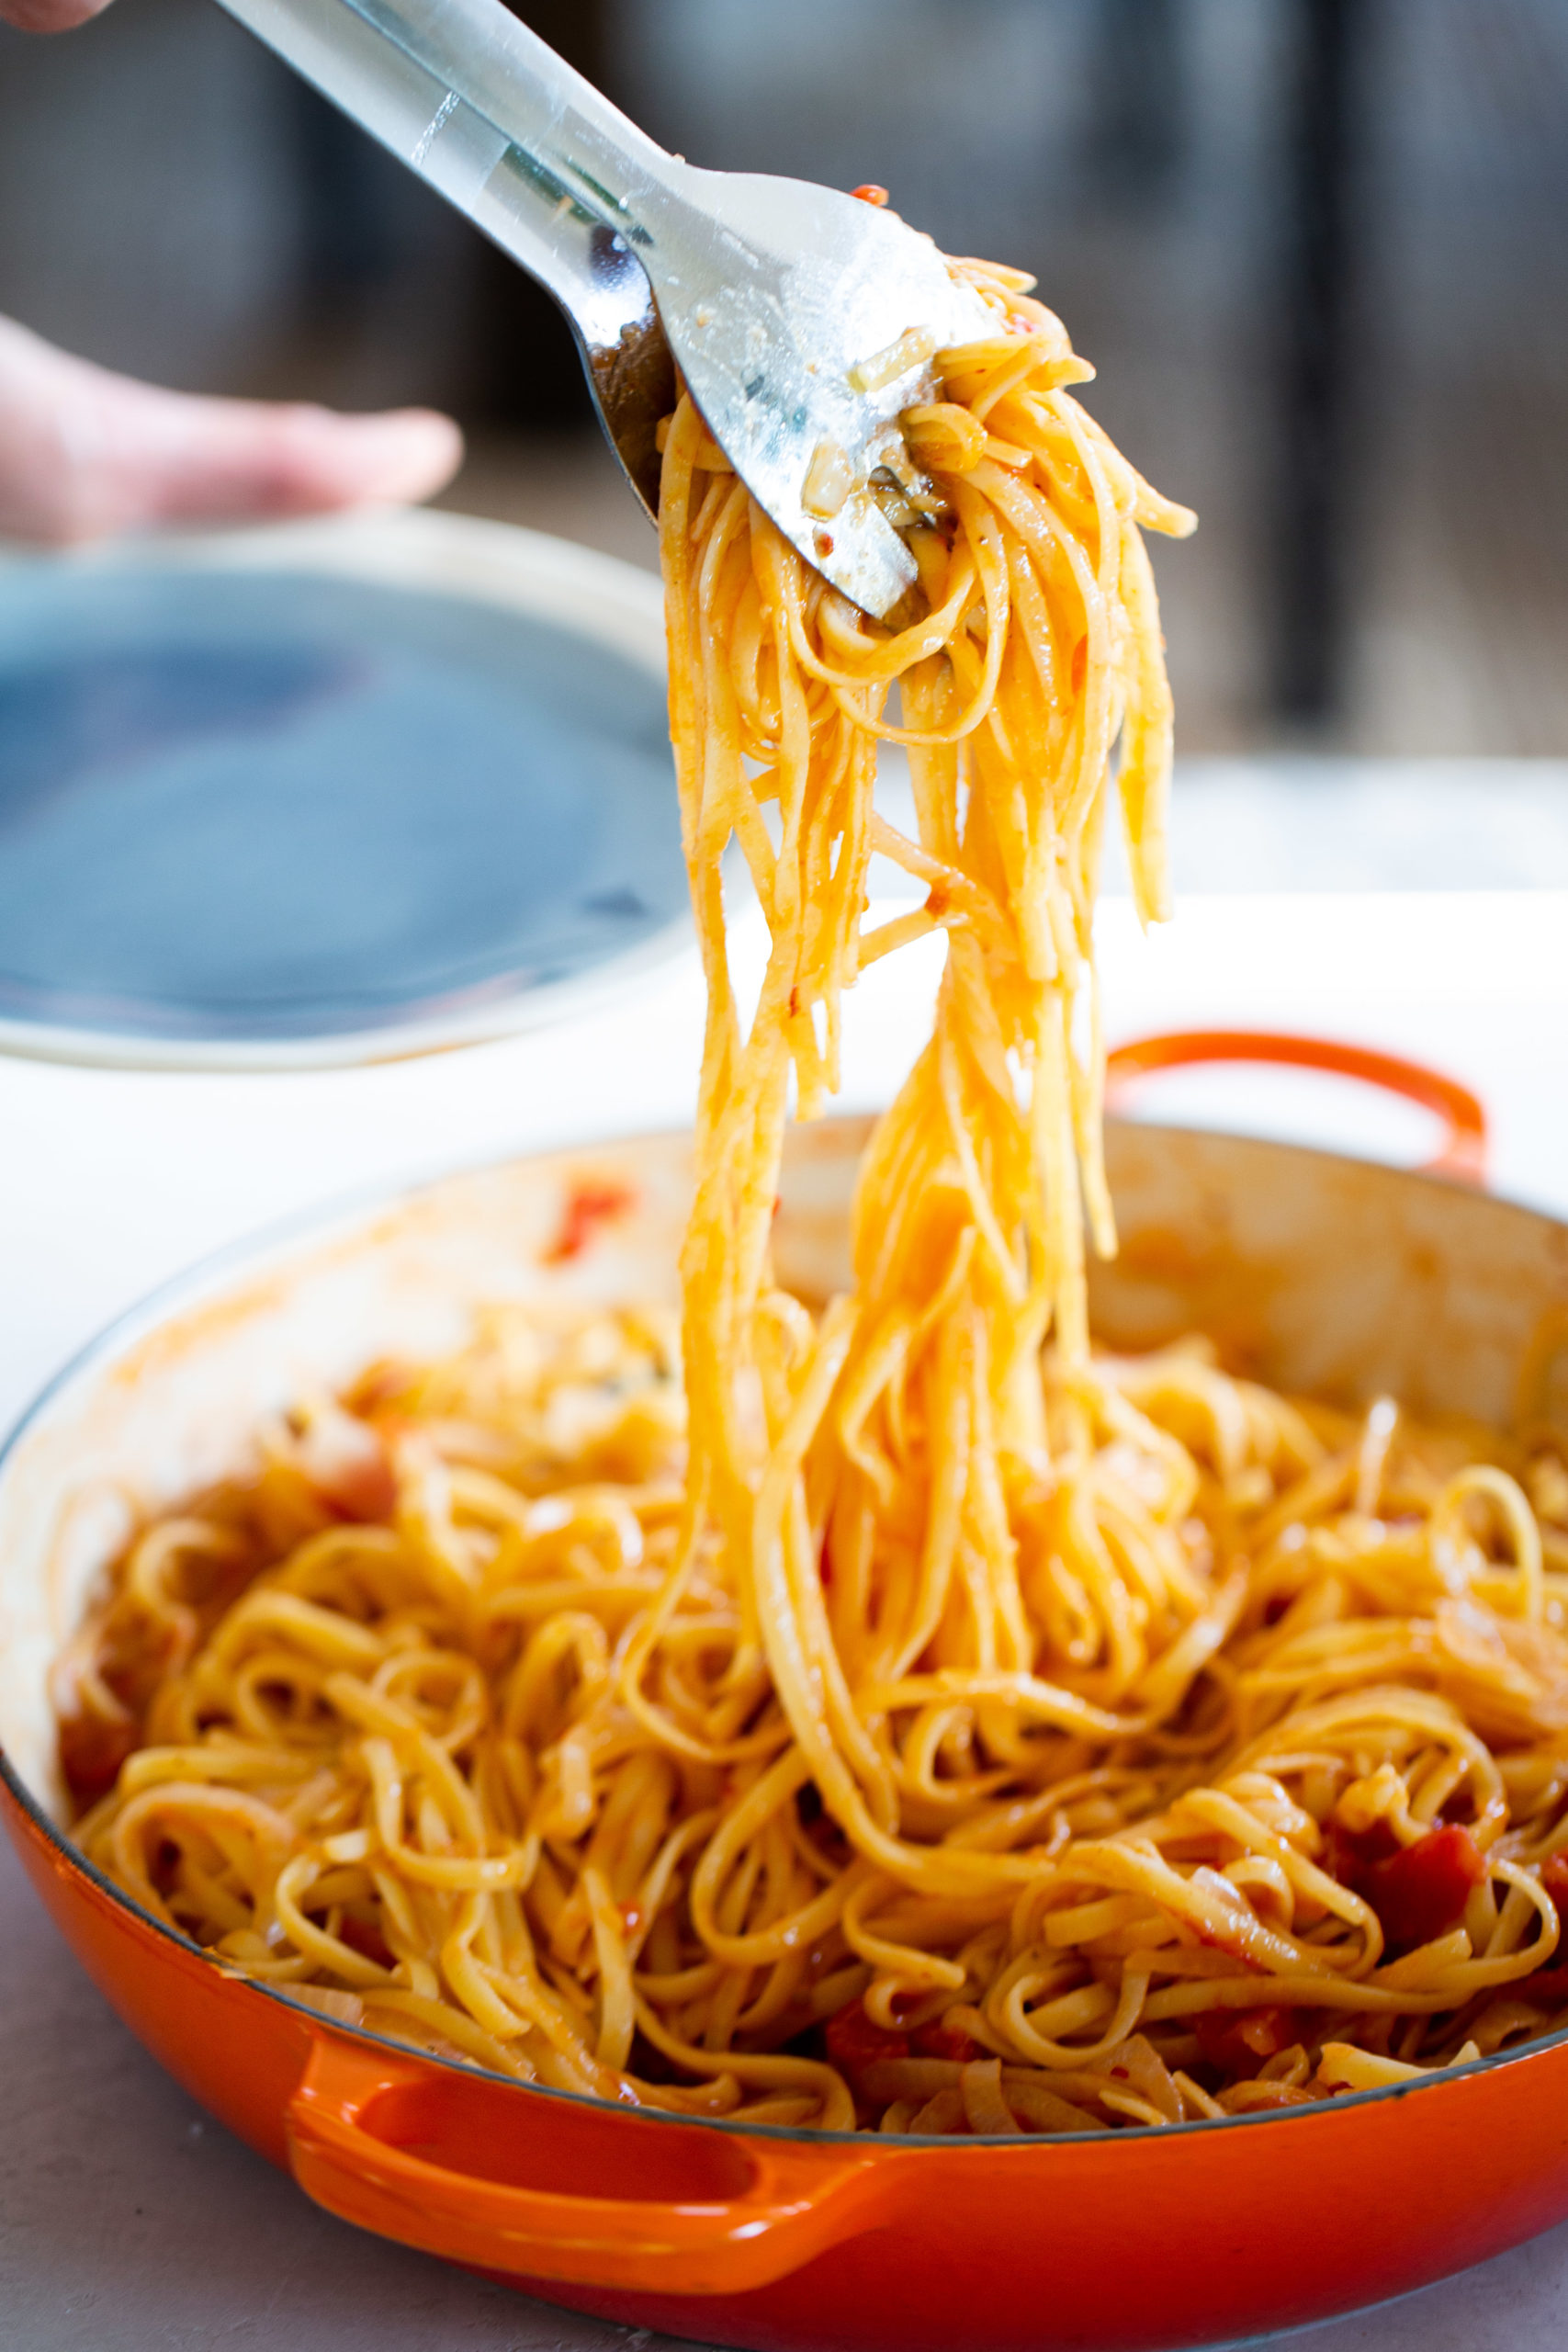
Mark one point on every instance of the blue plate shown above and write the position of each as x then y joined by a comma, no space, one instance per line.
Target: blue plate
242,809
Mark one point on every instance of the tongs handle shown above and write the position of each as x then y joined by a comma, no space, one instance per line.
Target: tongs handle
485,111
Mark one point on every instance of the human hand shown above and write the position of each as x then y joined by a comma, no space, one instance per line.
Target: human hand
84,454
49,16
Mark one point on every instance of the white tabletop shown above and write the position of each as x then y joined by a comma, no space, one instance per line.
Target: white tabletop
126,2218
113,1181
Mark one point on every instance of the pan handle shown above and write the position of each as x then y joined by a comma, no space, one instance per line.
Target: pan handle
793,2205
1463,1154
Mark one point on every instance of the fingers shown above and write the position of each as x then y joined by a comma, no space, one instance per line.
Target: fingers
49,16
84,454
164,458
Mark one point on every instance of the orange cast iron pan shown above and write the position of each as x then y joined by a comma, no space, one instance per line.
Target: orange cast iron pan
1317,1272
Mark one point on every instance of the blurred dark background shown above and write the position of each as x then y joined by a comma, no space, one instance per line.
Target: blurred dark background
1317,248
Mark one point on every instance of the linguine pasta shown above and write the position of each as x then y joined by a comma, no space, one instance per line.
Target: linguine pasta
893,1715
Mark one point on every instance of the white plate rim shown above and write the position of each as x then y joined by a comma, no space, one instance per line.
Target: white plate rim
597,596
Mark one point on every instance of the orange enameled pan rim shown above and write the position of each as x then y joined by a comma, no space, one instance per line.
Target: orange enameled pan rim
199,1281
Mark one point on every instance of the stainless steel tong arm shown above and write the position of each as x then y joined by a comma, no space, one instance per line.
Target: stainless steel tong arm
477,105
802,320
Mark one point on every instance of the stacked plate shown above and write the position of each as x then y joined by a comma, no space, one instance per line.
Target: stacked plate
330,794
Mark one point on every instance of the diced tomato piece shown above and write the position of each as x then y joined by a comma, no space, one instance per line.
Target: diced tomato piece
1421,1892
940,2041
587,1206
1347,1854
869,192
1239,2040
854,2044
366,1940
1418,1892
91,1753
1549,1985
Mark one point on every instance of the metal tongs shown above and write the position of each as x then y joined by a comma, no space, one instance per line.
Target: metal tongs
802,320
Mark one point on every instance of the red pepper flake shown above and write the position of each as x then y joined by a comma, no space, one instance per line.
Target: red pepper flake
588,1205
